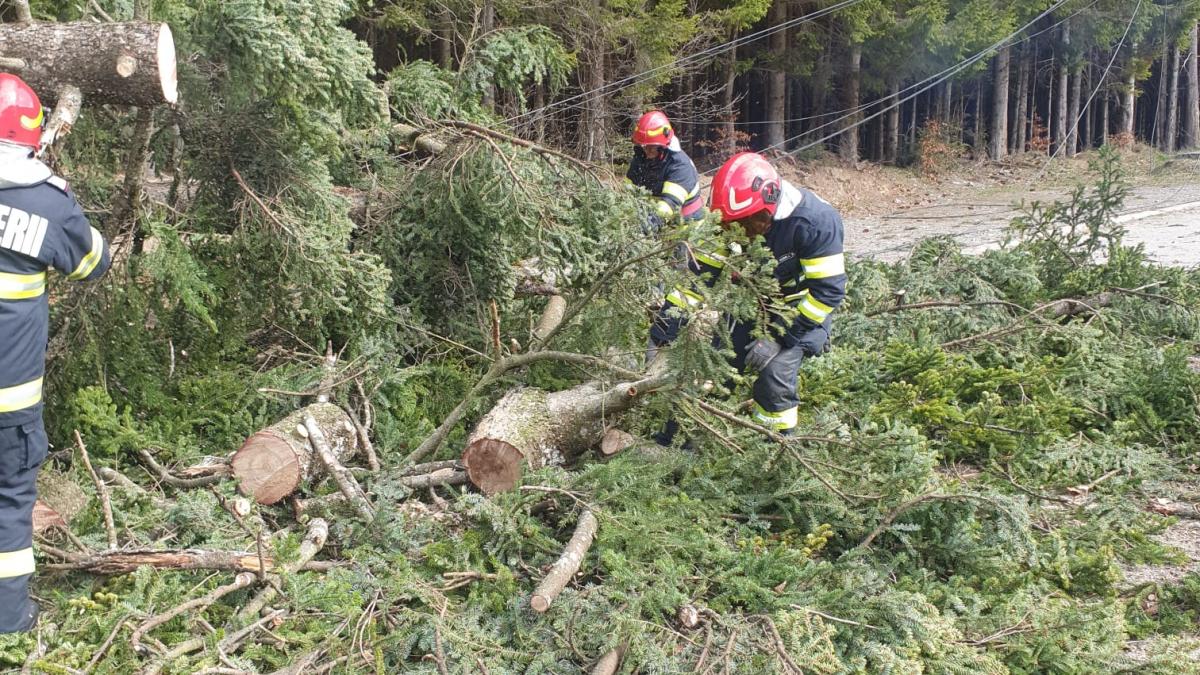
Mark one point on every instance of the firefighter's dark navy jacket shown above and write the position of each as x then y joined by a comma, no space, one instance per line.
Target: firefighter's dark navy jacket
673,180
806,239
41,227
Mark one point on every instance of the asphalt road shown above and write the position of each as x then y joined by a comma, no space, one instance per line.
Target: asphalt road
1166,219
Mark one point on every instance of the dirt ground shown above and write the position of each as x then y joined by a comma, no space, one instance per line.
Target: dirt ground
888,210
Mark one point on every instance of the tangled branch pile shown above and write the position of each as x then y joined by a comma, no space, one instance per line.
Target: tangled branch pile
973,463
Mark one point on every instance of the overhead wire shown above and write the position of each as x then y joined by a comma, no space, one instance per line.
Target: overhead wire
636,78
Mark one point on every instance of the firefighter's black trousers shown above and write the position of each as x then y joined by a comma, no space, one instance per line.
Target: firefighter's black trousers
22,451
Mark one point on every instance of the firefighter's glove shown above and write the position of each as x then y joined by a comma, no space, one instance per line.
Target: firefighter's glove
760,354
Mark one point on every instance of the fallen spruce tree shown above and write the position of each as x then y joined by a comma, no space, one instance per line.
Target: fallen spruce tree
930,516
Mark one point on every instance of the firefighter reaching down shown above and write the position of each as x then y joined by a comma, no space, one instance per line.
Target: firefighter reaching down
41,226
804,234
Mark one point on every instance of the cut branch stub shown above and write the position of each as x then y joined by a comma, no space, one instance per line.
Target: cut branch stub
129,63
275,461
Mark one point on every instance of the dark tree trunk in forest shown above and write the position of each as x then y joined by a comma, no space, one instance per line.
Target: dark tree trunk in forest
848,141
1060,121
1105,117
1160,106
1191,131
891,134
1073,112
820,103
275,462
129,63
1000,104
728,128
445,40
1018,140
1169,140
776,111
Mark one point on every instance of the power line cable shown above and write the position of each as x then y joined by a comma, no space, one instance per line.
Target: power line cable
685,60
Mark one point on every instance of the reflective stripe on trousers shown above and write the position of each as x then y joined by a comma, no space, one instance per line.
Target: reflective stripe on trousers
22,451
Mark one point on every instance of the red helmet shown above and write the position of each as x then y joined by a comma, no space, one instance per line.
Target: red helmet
745,185
653,129
21,113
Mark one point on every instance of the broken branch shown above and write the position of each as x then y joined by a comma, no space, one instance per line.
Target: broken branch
567,564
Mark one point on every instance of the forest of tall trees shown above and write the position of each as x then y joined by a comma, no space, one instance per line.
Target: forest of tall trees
796,75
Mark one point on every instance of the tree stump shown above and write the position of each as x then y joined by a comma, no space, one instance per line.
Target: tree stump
275,461
130,63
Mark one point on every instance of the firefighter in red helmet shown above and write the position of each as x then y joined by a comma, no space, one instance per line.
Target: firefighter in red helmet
41,227
662,167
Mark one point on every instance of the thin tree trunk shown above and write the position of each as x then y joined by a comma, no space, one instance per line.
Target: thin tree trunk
848,141
1060,123
1000,104
820,87
1018,140
1105,117
1129,95
1169,141
891,135
1191,137
595,115
728,128
978,147
1073,112
1160,106
446,42
776,111
1089,114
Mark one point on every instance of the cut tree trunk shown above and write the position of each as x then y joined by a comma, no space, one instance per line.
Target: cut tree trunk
1191,130
1000,105
131,63
530,428
275,461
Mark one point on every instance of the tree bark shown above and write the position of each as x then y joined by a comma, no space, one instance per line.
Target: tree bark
777,78
1129,95
131,63
1191,132
1000,104
1073,112
127,562
1105,118
1169,140
1088,114
276,461
1017,145
1060,122
531,428
848,141
487,24
1160,106
891,140
595,113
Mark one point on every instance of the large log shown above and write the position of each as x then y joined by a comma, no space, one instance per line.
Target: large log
532,428
131,63
276,461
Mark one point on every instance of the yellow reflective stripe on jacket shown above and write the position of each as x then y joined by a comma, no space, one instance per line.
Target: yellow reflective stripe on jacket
21,286
16,563
664,208
814,309
675,190
778,421
823,268
682,297
710,259
21,396
89,262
